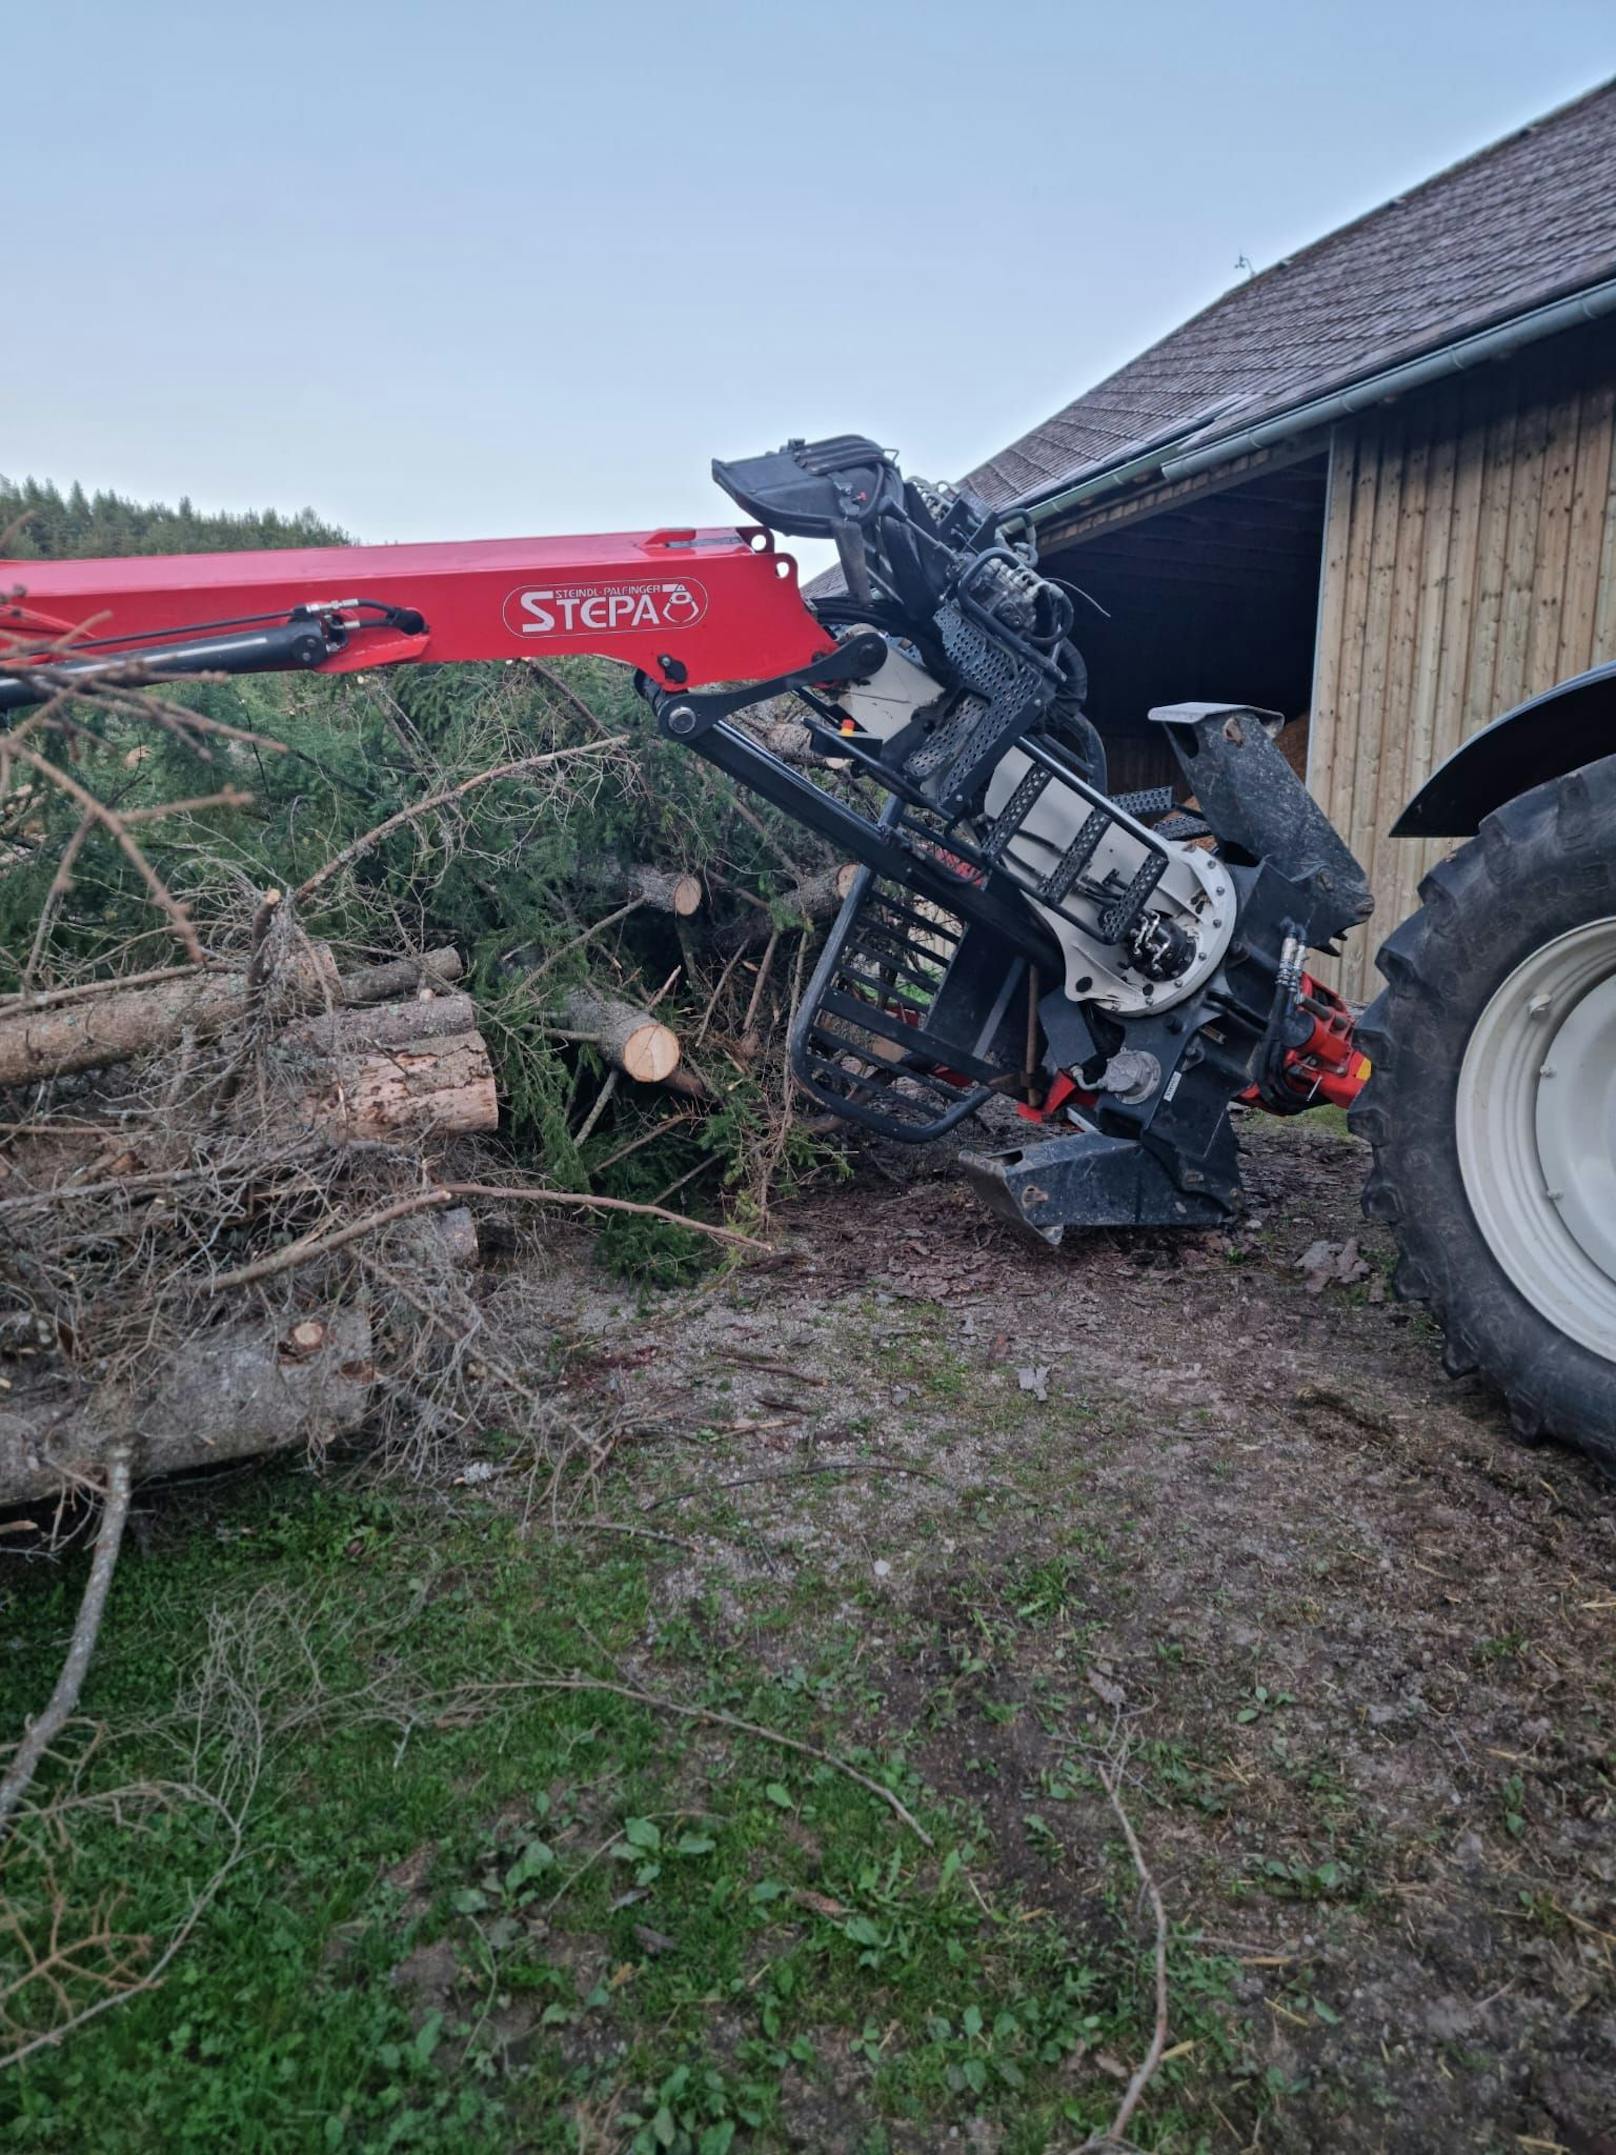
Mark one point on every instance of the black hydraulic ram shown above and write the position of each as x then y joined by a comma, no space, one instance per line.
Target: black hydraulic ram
288,647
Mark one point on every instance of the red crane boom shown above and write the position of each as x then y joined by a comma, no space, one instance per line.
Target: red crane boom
685,606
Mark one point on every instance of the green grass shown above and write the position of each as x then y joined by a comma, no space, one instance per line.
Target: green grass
673,1936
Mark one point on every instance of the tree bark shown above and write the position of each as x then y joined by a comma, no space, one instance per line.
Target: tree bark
111,1027
666,890
406,1067
631,1039
821,895
454,1234
227,1394
816,898
789,739
385,983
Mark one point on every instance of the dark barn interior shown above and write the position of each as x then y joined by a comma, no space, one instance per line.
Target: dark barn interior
1214,599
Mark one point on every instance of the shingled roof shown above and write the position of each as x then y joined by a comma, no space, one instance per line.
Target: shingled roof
1521,223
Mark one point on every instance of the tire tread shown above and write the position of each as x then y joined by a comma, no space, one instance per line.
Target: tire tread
1550,852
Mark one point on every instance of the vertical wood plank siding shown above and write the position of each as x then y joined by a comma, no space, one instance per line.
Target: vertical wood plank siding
1469,562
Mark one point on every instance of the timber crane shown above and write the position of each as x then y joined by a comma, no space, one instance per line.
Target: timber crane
1119,969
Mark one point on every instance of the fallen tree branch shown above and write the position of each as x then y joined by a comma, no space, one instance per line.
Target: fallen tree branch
554,682
42,1733
1111,1780
716,1718
118,830
368,840
586,1129
311,1246
646,1137
523,960
61,883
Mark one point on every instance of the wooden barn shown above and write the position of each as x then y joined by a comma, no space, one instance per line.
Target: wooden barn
1372,488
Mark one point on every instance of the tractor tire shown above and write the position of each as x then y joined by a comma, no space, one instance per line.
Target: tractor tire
1491,1106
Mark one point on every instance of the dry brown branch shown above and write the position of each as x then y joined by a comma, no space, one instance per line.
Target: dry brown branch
1115,2136
646,1137
569,696
60,884
587,935
769,1362
715,1718
640,1533
765,965
117,829
260,967
42,1733
712,1001
224,1711
369,840
48,998
759,830
679,1182
323,1244
90,1951
226,797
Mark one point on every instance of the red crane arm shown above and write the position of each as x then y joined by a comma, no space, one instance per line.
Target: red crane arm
685,606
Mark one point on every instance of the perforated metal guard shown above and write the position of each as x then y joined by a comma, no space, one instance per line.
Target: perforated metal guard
866,1045
1005,697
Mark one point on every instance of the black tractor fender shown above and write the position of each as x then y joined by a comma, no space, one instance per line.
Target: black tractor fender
1567,726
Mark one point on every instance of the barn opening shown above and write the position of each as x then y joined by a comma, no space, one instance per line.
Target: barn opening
1211,596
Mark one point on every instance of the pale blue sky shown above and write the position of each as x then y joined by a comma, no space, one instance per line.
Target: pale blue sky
442,270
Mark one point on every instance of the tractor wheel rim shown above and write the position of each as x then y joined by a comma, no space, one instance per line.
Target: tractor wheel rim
1536,1129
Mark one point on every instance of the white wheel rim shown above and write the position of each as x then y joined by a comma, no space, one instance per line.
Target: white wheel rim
1536,1129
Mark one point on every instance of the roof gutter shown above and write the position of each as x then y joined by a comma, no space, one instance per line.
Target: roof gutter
1147,458
1496,343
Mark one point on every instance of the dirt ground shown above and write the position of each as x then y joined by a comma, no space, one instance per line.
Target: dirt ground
1358,1639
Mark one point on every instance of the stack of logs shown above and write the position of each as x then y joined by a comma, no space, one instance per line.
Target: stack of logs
387,1052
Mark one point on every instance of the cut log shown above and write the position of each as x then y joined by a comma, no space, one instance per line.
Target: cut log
385,983
816,898
114,1026
406,1067
821,895
631,1039
227,1394
121,1022
392,1025
666,890
443,1086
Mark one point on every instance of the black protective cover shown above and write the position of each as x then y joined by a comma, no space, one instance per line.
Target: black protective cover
1569,725
809,488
